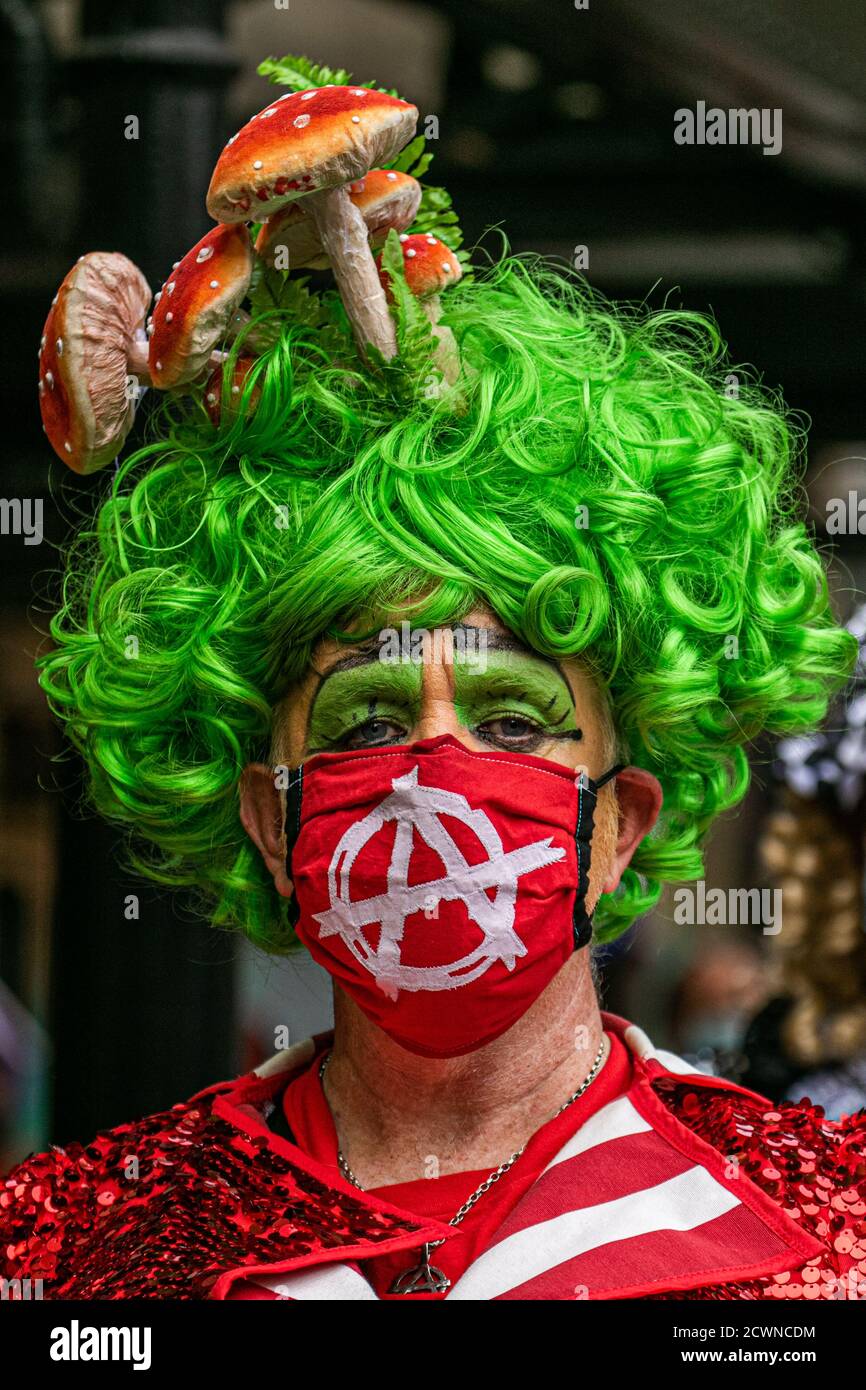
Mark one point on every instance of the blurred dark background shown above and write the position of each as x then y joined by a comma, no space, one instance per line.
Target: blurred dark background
556,123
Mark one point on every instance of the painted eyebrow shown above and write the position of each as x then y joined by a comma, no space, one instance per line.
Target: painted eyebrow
367,653
507,642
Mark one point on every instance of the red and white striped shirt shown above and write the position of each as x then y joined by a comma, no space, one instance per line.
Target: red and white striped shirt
613,1198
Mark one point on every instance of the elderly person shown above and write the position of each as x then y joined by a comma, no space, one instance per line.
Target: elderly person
445,661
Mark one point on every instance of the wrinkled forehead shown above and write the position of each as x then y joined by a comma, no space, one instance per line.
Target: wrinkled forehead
463,644
428,629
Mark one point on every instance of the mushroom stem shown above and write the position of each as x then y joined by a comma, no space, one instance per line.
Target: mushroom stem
343,234
446,356
136,359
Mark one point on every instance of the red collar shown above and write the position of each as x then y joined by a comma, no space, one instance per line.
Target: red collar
764,1242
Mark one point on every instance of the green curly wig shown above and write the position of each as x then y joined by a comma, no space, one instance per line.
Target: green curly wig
595,482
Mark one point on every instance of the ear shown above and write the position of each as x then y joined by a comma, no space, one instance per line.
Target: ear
262,818
639,799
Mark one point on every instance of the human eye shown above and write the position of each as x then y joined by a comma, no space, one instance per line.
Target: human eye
513,730
370,706
363,729
516,704
376,732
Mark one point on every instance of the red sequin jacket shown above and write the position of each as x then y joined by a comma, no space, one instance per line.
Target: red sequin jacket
755,1202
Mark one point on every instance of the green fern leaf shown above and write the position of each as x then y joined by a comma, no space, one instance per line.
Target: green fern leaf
409,375
300,74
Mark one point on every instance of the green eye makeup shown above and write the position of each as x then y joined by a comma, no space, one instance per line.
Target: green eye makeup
358,707
506,698
514,701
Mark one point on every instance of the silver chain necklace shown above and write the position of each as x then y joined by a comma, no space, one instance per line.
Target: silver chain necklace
424,1277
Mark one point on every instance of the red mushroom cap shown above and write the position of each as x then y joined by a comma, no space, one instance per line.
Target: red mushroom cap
196,303
304,141
429,264
386,198
213,392
86,408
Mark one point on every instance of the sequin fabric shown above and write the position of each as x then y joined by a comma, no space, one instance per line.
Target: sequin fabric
813,1168
160,1208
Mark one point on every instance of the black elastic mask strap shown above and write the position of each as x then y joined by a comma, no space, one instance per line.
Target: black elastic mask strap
294,791
613,772
587,792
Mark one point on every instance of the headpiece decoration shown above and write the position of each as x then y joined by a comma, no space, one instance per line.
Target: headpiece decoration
332,172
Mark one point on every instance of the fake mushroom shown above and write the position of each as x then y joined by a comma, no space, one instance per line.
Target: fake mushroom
219,410
196,304
430,267
312,144
385,198
93,341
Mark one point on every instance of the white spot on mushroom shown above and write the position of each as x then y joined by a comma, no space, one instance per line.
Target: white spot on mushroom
214,284
305,96
359,91
150,330
67,446
49,377
232,138
211,395
59,347
411,252
175,264
169,289
446,267
300,121
271,111
54,300
169,316
42,341
391,175
404,236
356,120
41,384
235,390
159,366
204,254
431,240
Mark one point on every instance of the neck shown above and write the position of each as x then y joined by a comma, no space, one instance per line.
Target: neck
400,1117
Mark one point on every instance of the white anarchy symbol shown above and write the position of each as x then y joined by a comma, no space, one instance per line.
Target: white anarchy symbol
418,808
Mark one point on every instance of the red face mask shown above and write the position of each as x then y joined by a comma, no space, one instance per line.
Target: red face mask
442,888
